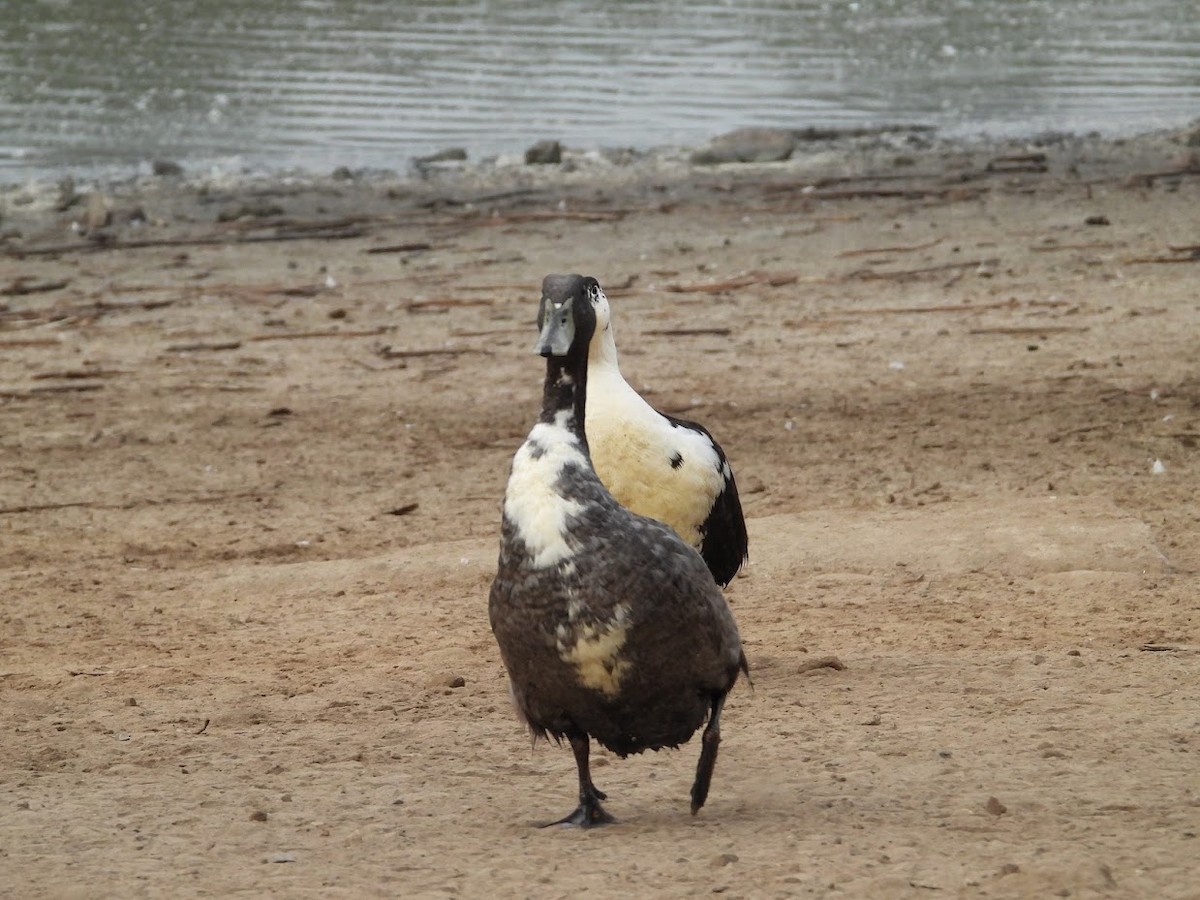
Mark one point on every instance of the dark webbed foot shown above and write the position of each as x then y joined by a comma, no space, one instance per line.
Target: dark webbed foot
589,812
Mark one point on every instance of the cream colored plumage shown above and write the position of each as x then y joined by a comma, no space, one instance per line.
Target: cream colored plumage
658,466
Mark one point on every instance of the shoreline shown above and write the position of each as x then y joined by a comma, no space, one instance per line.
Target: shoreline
448,179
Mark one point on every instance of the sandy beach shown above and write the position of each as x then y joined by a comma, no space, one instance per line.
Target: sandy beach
254,433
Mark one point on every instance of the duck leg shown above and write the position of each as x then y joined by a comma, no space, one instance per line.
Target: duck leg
589,812
708,754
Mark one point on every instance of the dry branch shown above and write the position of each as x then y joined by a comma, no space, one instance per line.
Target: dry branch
910,248
30,342
202,345
687,332
444,303
717,287
338,234
390,353
23,285
50,389
304,335
1028,329
1192,256
553,215
867,275
131,504
79,373
401,248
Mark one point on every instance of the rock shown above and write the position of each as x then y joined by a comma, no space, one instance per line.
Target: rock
724,859
450,154
544,153
98,214
342,173
281,858
258,816
165,168
995,807
128,215
746,145
620,156
1097,220
67,195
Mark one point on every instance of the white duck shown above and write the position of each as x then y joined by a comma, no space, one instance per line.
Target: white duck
657,465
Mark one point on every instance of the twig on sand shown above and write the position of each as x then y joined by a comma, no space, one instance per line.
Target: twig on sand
717,287
412,247
50,389
89,310
23,284
29,342
131,504
899,275
203,345
1029,329
550,216
1186,255
78,373
445,303
305,335
942,308
391,353
1168,648
335,234
906,248
687,332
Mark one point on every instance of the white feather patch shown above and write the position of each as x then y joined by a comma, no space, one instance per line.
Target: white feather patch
531,501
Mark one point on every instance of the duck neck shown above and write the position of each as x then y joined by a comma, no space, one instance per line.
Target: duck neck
565,392
604,353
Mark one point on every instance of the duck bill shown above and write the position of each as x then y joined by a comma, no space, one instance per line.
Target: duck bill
558,332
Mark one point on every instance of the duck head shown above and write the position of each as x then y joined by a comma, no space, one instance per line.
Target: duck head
569,314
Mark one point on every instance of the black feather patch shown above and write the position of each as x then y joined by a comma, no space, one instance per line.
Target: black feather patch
676,460
723,540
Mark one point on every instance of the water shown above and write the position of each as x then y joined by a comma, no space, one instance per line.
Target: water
86,84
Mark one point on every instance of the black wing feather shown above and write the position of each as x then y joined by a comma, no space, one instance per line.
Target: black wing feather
724,542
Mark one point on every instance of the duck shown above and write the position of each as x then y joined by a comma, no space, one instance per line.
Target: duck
667,468
610,625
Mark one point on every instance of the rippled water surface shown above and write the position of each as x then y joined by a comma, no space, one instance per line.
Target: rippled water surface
321,83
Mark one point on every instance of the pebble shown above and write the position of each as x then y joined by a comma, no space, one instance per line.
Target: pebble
450,154
724,859
281,858
165,168
995,807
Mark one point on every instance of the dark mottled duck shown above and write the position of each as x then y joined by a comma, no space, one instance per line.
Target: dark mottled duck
657,465
610,624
